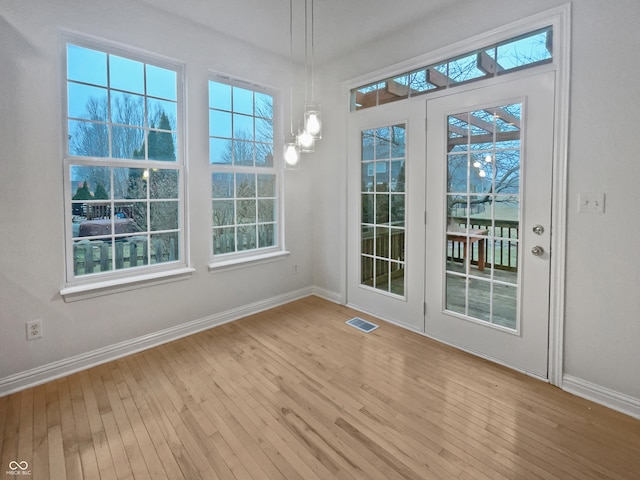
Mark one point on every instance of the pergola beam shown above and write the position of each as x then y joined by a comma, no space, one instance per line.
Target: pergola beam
397,89
458,130
366,100
488,64
473,120
437,78
484,138
507,117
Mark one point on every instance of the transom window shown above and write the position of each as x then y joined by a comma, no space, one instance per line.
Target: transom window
244,178
123,165
525,51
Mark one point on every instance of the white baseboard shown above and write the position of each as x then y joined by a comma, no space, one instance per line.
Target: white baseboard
329,295
67,366
604,396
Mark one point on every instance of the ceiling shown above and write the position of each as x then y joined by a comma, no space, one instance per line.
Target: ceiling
339,25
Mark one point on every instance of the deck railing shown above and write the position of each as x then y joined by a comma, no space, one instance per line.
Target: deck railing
389,250
503,256
504,233
93,256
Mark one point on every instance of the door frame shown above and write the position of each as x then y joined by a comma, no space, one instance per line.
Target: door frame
560,18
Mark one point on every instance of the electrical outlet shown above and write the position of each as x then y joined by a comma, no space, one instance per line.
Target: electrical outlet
34,329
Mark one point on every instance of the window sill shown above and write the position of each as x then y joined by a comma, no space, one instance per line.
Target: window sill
108,287
225,265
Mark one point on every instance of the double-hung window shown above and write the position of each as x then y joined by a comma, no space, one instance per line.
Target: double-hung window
124,167
244,177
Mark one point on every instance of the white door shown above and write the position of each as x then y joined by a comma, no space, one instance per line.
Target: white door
488,204
385,266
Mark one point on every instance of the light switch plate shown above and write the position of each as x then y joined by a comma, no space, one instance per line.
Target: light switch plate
591,202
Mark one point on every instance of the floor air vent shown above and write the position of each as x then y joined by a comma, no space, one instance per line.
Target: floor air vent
361,324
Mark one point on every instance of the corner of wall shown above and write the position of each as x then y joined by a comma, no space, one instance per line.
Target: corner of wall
604,396
329,295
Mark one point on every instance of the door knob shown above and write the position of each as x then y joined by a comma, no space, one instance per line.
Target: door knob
537,251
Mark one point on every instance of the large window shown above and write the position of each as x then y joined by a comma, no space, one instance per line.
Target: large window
244,177
124,169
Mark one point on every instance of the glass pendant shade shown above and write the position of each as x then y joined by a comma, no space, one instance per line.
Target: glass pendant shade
305,141
291,154
313,121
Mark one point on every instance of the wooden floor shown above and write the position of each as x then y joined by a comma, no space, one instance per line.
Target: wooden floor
294,393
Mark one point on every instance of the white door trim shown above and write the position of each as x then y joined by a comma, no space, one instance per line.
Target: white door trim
562,33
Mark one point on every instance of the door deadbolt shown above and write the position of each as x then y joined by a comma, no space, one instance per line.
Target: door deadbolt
538,229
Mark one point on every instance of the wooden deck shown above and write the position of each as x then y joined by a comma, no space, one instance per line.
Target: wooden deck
294,393
504,308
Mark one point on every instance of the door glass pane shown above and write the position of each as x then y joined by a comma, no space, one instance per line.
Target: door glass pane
457,172
382,212
483,211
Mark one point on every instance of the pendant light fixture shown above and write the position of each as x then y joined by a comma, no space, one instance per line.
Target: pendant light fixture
291,151
311,130
291,154
313,120
305,141
312,115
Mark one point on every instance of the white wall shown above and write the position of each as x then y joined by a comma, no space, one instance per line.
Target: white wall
603,260
31,180
602,323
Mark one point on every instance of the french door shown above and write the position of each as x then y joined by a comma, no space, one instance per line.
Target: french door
489,165
449,217
386,212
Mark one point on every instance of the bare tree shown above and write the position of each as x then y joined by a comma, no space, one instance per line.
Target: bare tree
89,137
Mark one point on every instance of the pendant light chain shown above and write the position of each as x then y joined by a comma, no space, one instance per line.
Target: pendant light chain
291,58
306,52
312,49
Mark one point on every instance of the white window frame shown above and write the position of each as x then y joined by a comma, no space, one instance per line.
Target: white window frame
237,259
113,281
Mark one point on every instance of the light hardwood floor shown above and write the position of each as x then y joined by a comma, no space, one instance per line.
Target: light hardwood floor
294,393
